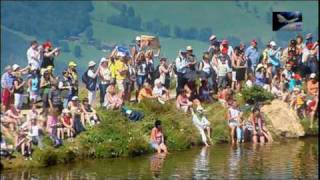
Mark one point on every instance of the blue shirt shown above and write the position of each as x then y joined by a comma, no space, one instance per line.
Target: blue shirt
7,80
274,57
181,64
260,79
253,56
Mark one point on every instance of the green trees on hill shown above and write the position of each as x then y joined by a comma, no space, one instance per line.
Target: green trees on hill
46,19
77,51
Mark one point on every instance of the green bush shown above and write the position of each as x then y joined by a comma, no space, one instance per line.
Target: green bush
256,94
45,157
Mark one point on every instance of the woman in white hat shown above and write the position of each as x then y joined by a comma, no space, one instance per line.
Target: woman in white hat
105,78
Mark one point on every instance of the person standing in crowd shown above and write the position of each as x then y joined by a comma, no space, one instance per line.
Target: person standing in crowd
286,76
150,67
73,74
141,71
274,57
7,87
136,49
76,112
54,98
34,55
192,61
18,87
252,55
310,55
164,72
181,65
157,138
202,124
49,54
105,79
91,82
225,48
214,46
239,65
45,86
34,85
121,73
65,87
260,76
223,68
206,70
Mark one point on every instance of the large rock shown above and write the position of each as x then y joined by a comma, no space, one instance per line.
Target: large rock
284,120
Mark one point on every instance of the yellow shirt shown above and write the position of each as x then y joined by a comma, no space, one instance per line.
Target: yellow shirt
112,69
299,100
120,67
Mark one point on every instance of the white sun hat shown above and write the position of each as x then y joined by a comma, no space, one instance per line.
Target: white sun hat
272,43
138,38
212,37
91,63
15,67
189,48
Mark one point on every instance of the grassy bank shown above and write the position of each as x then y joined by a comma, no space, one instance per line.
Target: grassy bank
116,136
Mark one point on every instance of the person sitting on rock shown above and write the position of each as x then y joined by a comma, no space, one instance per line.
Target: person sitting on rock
183,101
157,138
259,128
160,92
145,92
89,114
112,99
202,123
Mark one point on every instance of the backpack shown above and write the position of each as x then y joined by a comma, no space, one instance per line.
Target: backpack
132,115
85,77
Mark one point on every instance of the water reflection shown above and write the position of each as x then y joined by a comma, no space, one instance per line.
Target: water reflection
156,163
201,168
294,159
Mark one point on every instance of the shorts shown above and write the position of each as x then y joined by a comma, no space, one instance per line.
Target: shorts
233,123
154,145
140,80
34,95
234,75
6,97
120,85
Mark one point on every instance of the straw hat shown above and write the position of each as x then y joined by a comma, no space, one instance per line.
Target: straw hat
15,67
260,66
72,63
212,37
91,63
272,43
189,48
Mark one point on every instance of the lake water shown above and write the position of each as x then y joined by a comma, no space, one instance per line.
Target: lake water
292,159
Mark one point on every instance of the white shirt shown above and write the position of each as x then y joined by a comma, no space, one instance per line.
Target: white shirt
106,74
34,58
200,122
233,113
158,91
91,74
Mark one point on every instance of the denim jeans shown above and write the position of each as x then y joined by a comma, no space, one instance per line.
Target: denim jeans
103,89
239,134
140,80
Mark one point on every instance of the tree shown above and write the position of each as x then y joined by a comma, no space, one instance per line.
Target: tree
177,32
64,46
89,33
130,12
204,34
77,51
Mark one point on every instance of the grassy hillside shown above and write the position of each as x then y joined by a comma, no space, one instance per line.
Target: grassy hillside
225,18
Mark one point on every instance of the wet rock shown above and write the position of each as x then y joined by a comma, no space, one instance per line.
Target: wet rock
283,120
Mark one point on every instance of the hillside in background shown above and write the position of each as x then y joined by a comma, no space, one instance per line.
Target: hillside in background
88,30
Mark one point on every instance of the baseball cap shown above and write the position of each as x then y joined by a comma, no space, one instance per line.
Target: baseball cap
224,42
272,43
189,48
212,37
313,75
254,41
138,38
72,63
74,98
15,67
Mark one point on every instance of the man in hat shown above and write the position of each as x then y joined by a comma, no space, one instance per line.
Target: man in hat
252,54
136,48
274,57
65,88
121,72
73,75
34,55
91,83
7,87
202,124
181,65
214,46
